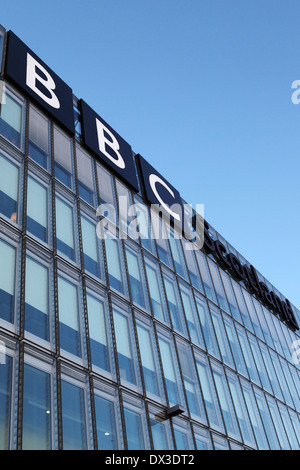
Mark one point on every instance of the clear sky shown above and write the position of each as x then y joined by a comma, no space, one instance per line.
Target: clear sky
201,89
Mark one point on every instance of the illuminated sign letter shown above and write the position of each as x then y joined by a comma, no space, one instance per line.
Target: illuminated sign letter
32,77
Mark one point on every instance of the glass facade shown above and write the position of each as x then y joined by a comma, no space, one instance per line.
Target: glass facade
101,335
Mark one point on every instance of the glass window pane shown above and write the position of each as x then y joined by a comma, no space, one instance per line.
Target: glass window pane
38,143
176,249
63,158
281,378
259,363
269,319
11,119
136,277
85,177
221,336
241,410
247,354
209,393
290,431
220,443
37,209
36,409
266,332
242,306
7,281
253,411
174,303
183,434
91,247
9,189
149,358
73,417
65,229
107,196
253,316
69,322
144,225
230,296
270,369
235,346
156,290
190,381
135,422
192,265
37,299
114,259
226,403
202,438
126,348
191,315
267,420
279,426
207,327
218,285
108,420
100,340
171,369
160,429
161,237
127,215
6,377
206,278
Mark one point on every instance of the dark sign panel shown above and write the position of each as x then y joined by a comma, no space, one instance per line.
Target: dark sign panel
161,193
108,145
30,73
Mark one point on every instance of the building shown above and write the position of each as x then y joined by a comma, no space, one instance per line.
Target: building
113,341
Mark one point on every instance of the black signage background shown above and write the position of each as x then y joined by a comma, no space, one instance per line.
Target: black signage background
146,171
15,70
90,139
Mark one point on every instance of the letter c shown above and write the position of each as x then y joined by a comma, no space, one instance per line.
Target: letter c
153,180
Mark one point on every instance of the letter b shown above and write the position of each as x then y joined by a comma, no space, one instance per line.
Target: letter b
32,77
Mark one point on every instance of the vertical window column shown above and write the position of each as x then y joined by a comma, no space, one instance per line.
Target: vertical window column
39,138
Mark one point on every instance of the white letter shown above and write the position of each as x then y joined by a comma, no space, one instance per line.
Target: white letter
113,144
32,77
153,179
296,354
295,98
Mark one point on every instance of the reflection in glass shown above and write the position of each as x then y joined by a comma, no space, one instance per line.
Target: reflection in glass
106,424
73,417
7,281
64,229
37,299
5,400
124,348
38,142
98,335
91,251
37,209
9,189
36,409
69,326
11,118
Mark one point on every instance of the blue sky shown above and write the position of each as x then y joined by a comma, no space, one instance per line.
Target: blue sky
202,89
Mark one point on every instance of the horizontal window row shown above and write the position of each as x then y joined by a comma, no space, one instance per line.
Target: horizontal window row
203,273
57,396
214,284
209,328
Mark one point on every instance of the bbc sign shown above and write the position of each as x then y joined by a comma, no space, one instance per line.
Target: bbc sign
29,73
